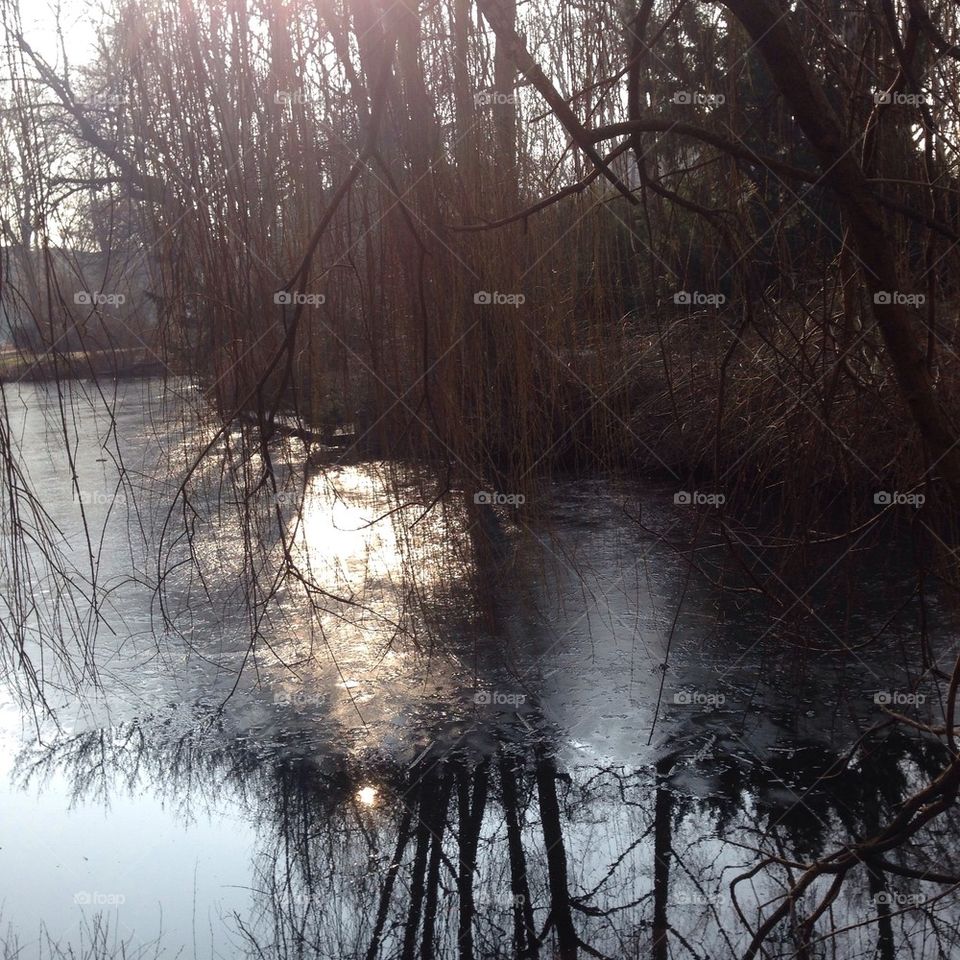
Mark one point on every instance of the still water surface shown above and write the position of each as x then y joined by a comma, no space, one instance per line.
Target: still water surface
564,743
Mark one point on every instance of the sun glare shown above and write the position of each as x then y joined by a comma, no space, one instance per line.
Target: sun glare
367,796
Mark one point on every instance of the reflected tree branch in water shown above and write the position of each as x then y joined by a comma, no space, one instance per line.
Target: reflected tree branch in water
561,916
524,931
916,813
424,801
877,883
314,853
471,806
663,807
383,910
438,823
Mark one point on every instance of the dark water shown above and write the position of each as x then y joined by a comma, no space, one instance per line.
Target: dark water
566,743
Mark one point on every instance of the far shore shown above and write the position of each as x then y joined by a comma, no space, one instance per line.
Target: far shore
18,365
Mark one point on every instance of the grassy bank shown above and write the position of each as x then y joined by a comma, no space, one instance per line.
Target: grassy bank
16,366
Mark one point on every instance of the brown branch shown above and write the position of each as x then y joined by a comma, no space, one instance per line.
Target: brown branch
667,125
572,190
927,26
503,27
775,38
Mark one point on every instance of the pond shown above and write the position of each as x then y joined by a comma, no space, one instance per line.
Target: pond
566,738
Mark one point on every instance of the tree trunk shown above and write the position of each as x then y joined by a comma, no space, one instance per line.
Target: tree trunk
774,36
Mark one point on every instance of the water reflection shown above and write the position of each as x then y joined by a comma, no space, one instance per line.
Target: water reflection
507,852
421,734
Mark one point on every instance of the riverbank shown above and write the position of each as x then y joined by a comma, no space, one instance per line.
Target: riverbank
15,365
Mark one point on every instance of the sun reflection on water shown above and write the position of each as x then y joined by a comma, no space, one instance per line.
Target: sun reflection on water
367,796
